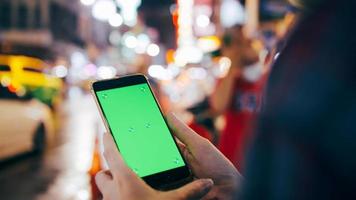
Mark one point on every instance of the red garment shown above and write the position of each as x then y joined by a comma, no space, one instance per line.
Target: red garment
200,130
244,105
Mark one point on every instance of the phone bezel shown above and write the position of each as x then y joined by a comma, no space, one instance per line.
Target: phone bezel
161,179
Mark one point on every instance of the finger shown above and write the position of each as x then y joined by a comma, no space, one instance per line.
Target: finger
117,165
194,190
183,132
178,141
102,179
185,151
181,146
189,158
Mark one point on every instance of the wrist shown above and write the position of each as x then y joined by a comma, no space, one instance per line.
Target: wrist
233,185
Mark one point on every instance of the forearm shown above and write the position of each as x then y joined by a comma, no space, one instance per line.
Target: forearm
222,95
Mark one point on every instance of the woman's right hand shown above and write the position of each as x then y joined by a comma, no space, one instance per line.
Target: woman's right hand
206,161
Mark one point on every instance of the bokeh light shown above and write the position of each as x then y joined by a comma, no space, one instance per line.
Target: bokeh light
116,20
203,21
153,50
103,10
87,2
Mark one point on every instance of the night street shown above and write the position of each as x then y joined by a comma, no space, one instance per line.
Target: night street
201,99
62,172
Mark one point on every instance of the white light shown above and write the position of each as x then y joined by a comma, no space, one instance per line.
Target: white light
87,2
130,17
197,73
83,194
130,23
153,70
116,20
173,69
115,37
224,63
131,3
103,9
140,49
130,41
189,54
78,59
143,38
224,66
129,10
203,21
180,62
60,71
5,81
105,72
143,42
275,57
232,13
159,72
185,33
156,71
153,50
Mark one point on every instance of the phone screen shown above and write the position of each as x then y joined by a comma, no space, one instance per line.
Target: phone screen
139,129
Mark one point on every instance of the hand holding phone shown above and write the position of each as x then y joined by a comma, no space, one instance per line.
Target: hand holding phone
205,160
133,117
120,182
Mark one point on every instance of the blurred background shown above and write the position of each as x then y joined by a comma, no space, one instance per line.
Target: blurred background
51,50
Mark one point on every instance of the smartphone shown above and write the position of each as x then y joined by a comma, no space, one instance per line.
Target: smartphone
133,116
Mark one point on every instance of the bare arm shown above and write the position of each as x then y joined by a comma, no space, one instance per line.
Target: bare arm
223,93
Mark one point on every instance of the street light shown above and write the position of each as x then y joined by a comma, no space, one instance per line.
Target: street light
87,2
203,21
153,50
232,13
103,10
129,10
116,20
130,41
106,72
60,71
143,42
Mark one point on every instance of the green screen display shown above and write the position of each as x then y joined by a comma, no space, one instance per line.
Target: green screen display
139,129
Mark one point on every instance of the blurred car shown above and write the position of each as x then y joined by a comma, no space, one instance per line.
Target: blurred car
25,124
28,73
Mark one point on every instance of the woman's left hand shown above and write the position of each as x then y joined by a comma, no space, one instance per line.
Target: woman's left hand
120,182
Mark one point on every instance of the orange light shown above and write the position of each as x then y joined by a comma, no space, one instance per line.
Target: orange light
175,18
170,56
95,168
12,88
96,163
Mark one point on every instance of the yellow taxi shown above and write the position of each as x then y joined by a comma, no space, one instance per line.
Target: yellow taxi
23,74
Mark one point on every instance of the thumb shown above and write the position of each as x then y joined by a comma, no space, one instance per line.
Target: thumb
185,134
194,190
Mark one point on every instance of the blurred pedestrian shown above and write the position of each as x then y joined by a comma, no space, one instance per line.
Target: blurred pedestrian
238,95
